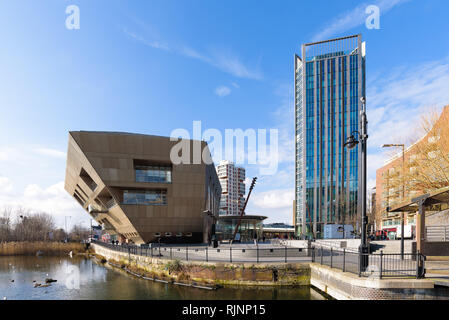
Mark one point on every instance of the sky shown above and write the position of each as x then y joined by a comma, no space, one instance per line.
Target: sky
155,66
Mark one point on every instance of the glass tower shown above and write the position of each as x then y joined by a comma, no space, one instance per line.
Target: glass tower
329,81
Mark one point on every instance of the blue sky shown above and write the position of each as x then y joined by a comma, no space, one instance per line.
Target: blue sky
154,66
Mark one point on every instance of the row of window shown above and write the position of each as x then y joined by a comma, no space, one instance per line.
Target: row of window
145,197
153,174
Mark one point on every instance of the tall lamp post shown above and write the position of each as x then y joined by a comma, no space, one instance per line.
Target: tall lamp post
351,142
403,192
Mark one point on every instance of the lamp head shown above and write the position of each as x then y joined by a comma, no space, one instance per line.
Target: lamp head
351,142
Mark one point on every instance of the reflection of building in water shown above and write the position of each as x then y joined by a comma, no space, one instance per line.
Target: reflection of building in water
250,225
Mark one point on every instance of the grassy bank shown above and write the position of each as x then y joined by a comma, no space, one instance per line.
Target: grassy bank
45,248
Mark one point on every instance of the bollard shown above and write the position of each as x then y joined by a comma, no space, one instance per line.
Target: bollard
257,248
207,254
171,254
187,253
344,260
230,254
285,254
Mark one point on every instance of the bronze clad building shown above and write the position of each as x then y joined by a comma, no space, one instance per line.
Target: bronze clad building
129,185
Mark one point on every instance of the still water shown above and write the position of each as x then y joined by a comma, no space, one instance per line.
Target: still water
98,282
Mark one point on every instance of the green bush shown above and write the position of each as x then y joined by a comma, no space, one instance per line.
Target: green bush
173,266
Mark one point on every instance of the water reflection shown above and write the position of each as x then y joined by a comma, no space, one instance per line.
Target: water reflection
99,282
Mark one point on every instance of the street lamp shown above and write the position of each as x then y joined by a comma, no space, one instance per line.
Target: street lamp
403,191
351,142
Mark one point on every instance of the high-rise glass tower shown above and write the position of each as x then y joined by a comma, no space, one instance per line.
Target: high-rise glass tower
329,82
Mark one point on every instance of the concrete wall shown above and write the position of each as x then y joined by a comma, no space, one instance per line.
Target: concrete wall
346,286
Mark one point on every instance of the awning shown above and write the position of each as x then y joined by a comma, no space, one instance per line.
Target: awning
435,201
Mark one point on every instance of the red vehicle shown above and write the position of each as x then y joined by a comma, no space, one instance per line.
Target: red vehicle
381,234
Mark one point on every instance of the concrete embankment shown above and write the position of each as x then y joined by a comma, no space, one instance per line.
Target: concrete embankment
209,273
347,286
335,283
40,248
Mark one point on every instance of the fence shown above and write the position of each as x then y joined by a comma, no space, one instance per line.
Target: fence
377,265
234,253
437,233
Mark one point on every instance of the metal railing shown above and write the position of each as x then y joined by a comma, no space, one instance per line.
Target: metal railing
378,265
224,253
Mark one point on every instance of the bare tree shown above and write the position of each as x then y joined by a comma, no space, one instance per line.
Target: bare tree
33,226
426,166
6,224
79,233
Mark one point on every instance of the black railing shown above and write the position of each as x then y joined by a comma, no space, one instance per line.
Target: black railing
250,253
378,265
381,265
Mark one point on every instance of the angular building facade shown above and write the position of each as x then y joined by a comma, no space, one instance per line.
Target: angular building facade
129,185
329,82
232,187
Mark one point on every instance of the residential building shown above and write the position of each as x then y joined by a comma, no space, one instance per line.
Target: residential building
129,185
232,187
329,84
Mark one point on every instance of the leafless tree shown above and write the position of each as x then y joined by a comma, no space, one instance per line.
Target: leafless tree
426,166
6,224
33,226
79,233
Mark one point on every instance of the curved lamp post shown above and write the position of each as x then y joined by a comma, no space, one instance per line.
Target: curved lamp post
351,142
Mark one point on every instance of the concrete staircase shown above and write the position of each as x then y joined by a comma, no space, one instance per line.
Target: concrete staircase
391,246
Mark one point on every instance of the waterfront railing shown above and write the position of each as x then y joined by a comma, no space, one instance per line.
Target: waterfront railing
375,265
224,253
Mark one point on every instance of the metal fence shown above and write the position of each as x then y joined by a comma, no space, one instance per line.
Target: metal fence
224,253
378,265
437,233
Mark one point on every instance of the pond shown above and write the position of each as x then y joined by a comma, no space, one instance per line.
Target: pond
81,278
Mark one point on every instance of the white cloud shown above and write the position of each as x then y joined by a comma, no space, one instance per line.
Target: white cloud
354,18
275,199
222,91
397,100
53,200
152,44
224,60
5,185
27,180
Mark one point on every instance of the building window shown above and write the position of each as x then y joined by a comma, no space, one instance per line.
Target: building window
153,173
145,197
